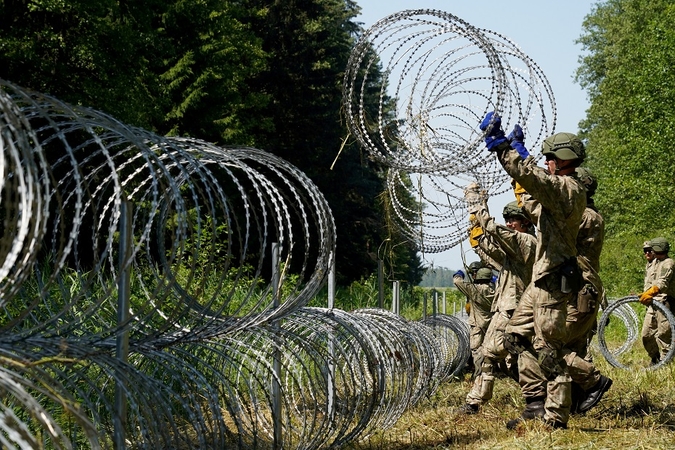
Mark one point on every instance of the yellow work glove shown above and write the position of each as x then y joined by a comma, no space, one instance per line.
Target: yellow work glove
467,307
518,191
647,296
474,234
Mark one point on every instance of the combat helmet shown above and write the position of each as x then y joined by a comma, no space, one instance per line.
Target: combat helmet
513,210
475,266
587,178
660,245
564,146
483,274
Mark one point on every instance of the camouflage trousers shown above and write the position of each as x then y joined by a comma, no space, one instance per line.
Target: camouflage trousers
542,316
493,352
580,326
656,333
476,338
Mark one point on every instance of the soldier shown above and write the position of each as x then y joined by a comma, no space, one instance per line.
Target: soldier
589,385
473,268
480,294
582,315
660,286
560,200
513,246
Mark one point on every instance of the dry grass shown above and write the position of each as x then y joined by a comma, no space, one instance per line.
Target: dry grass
638,412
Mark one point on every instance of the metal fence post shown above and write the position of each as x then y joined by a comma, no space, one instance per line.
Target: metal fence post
424,305
276,387
395,306
330,382
380,283
122,341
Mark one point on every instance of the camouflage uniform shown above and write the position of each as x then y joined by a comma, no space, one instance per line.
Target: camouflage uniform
579,325
516,251
480,297
582,314
557,209
656,333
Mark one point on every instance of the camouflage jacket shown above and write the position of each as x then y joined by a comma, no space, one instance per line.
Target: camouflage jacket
556,205
662,277
480,297
589,246
518,252
649,274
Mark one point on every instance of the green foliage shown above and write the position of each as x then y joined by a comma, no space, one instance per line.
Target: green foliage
254,73
627,72
167,65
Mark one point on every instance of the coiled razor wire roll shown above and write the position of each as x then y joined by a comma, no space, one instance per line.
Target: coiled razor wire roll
630,321
439,78
236,202
203,222
454,341
620,304
206,341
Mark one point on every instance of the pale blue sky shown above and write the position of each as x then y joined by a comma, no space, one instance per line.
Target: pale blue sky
545,30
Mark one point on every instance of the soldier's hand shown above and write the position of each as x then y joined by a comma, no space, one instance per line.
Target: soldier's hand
647,296
494,135
645,300
475,198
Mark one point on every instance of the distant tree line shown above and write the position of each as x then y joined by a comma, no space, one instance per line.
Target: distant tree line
438,277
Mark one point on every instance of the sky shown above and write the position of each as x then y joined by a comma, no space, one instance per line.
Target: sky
545,30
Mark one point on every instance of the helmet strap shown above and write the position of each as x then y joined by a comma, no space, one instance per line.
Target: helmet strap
567,168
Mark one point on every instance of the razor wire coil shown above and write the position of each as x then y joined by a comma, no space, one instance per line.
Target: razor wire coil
623,304
439,78
206,339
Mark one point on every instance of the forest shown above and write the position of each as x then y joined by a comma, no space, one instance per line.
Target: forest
256,74
268,75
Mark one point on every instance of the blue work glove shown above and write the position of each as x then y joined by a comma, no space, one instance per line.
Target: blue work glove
517,140
459,273
495,136
494,278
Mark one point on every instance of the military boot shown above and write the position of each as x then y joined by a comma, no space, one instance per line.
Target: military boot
534,409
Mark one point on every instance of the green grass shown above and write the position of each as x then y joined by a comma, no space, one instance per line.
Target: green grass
638,412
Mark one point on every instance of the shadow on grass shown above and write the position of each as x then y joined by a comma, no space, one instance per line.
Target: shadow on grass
638,409
643,406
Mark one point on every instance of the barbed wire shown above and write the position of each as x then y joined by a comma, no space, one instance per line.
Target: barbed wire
630,327
621,309
439,76
222,351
